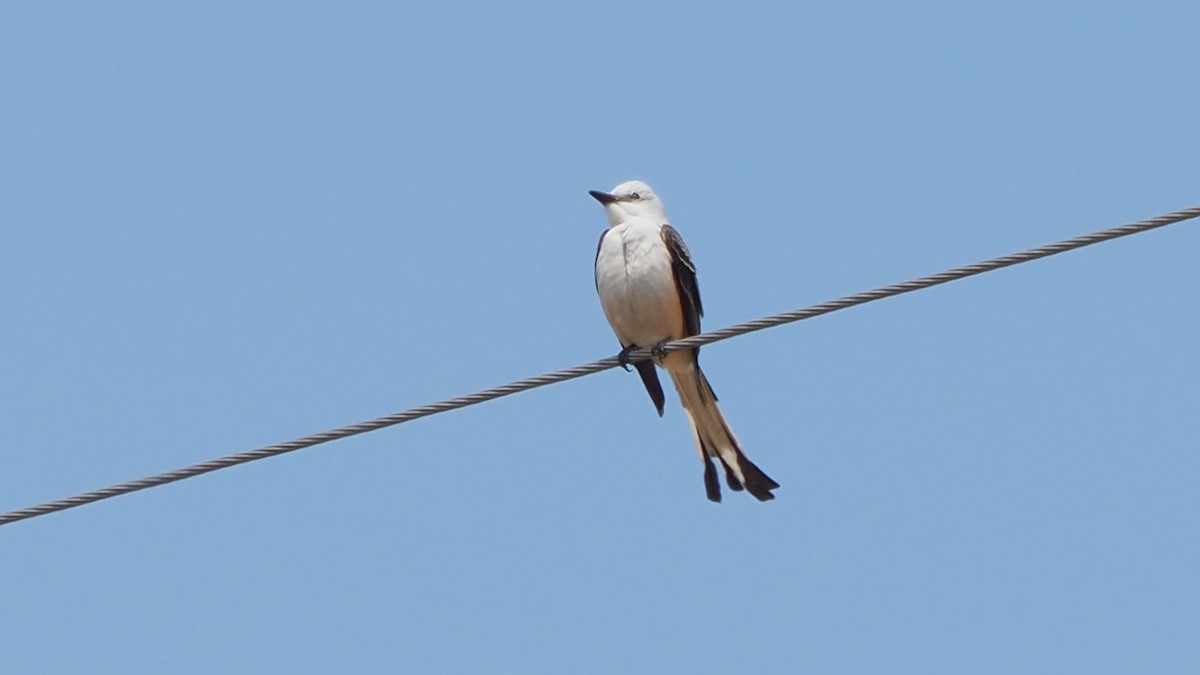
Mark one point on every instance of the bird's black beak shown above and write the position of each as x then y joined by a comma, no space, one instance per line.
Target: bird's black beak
602,197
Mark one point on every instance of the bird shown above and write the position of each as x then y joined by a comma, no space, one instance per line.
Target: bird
646,281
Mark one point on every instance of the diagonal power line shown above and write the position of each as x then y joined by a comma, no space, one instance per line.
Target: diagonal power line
598,366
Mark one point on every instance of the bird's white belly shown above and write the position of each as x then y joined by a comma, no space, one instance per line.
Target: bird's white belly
636,285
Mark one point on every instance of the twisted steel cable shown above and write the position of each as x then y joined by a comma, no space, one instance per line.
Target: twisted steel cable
598,366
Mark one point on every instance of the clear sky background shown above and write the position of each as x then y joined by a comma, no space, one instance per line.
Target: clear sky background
231,224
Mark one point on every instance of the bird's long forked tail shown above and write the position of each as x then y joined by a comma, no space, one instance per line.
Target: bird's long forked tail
714,438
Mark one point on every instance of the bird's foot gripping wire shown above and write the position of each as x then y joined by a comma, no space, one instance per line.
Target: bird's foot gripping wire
623,357
658,350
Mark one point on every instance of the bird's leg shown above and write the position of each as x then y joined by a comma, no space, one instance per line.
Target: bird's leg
623,357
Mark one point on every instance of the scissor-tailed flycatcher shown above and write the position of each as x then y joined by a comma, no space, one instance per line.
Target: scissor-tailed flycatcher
647,286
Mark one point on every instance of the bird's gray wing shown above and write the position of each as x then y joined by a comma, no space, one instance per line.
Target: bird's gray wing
684,271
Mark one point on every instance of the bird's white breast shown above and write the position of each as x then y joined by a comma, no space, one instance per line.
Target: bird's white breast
636,285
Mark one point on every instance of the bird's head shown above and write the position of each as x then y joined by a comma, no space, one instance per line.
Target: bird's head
630,200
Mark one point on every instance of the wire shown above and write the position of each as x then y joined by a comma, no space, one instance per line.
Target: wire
596,366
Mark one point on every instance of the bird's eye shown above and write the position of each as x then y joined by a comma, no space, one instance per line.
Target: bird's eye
635,196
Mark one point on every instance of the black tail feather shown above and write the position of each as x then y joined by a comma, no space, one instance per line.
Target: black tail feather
711,485
653,386
758,483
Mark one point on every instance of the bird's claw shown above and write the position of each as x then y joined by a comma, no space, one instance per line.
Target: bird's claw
659,349
623,357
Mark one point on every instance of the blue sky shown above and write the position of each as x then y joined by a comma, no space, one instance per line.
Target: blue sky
232,224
